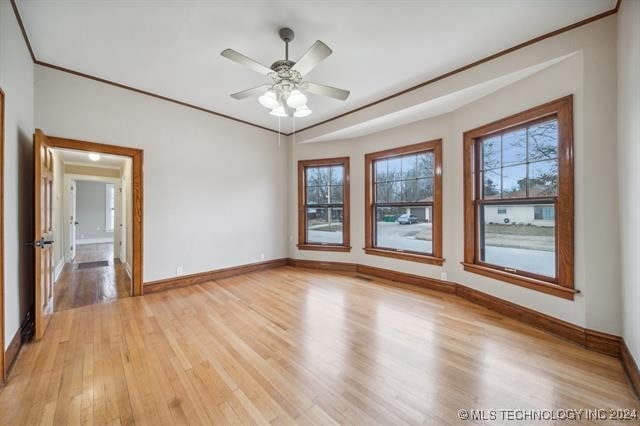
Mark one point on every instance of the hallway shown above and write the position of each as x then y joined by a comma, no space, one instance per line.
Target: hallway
84,282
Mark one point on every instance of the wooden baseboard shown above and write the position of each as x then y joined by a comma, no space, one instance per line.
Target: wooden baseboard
327,266
630,366
11,353
603,342
426,282
19,339
591,339
186,280
520,313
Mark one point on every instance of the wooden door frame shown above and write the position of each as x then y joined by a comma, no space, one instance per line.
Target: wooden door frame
3,371
136,156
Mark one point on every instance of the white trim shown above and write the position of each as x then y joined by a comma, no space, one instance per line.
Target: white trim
81,241
97,166
85,178
58,270
127,269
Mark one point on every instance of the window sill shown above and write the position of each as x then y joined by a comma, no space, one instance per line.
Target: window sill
412,257
533,284
324,247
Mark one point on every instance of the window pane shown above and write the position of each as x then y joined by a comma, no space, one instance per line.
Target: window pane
519,239
337,173
394,168
404,228
514,181
380,170
543,141
543,178
410,190
382,192
425,164
317,176
491,187
336,194
425,189
324,225
514,147
395,192
409,165
491,148
313,194
312,176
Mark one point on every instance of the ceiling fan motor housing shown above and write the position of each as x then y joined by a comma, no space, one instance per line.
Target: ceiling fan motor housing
286,34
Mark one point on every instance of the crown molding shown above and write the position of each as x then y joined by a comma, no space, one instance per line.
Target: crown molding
360,108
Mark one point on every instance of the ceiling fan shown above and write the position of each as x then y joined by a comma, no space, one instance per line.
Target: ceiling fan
284,96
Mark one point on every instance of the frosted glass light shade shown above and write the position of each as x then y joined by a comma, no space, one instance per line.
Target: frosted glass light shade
269,100
94,157
296,99
302,111
278,111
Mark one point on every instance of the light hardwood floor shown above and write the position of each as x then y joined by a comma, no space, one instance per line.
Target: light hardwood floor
81,287
288,346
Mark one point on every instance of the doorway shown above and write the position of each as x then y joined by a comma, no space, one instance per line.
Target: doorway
97,185
93,226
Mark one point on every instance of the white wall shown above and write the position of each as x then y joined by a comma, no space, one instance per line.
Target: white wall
91,207
628,170
587,75
16,79
214,189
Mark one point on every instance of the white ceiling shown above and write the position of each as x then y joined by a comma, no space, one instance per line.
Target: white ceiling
172,48
80,157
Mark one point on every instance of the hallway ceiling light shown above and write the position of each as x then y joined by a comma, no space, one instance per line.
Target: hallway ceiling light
93,156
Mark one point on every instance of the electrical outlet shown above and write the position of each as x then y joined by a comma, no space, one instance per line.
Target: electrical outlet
262,256
443,276
178,271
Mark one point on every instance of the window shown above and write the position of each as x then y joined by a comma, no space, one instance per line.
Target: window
323,204
544,213
403,198
110,207
521,168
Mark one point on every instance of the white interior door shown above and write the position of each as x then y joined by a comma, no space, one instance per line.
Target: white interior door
122,196
73,219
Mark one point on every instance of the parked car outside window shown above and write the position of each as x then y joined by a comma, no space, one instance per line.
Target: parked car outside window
407,219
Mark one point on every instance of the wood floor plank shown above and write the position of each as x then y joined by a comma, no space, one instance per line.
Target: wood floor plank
291,346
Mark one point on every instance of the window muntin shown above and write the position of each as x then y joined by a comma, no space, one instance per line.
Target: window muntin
323,221
519,164
403,195
522,165
403,202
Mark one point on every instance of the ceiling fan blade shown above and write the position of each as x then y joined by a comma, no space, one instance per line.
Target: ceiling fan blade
321,89
255,91
247,62
317,53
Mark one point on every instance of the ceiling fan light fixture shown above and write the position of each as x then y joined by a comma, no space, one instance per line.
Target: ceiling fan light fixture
269,100
296,99
278,111
302,111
